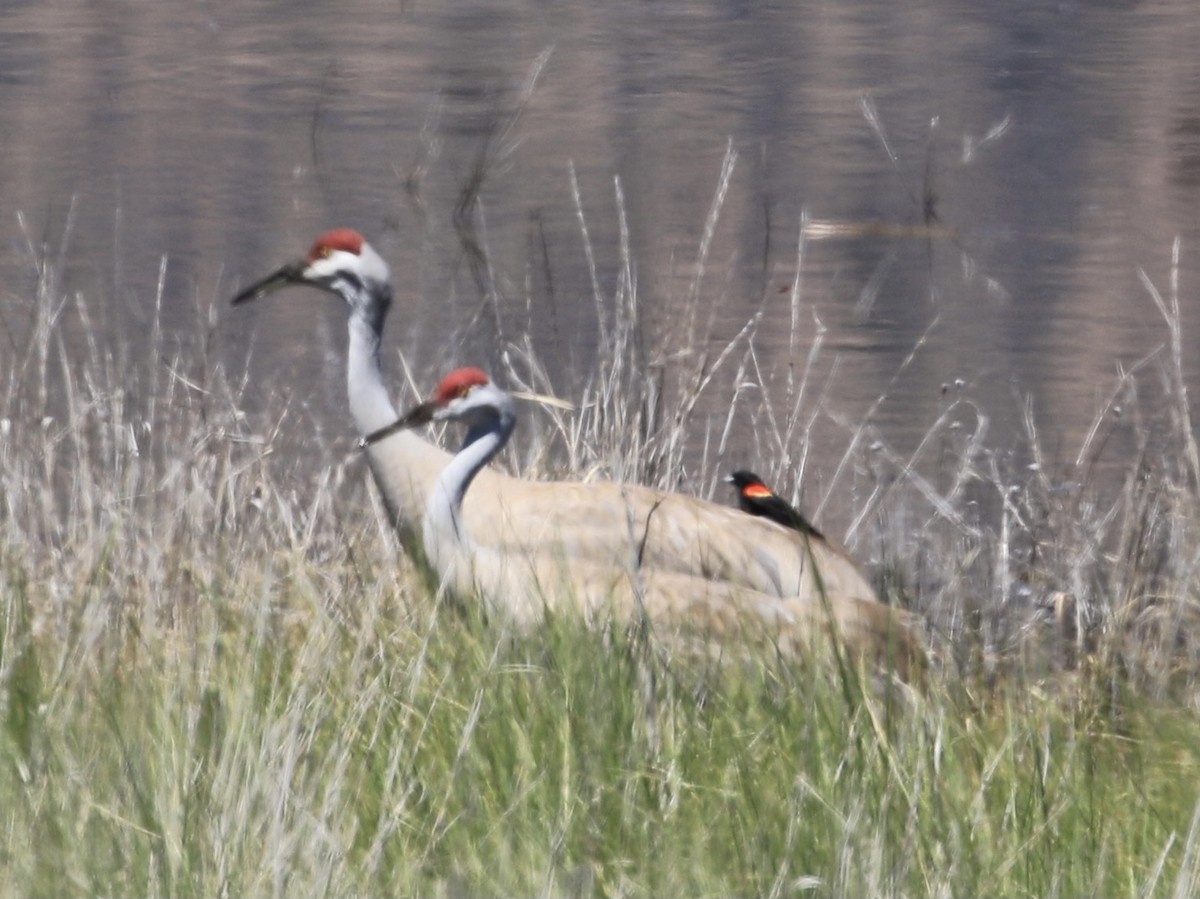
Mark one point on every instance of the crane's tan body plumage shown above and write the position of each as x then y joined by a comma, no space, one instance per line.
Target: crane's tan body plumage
618,525
682,609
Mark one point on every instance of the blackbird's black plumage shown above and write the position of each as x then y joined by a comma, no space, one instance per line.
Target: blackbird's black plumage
757,498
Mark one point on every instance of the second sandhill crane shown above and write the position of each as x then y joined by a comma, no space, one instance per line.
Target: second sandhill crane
614,525
524,584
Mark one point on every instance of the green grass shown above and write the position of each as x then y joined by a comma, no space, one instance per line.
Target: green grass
261,745
221,676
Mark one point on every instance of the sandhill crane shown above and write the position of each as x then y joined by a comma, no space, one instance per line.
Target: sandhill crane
757,498
523,584
615,525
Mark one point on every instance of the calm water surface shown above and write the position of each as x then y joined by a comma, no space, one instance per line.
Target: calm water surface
1057,144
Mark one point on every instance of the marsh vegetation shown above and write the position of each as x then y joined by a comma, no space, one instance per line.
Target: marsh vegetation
220,674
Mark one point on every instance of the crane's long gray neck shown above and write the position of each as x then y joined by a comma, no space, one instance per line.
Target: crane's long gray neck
369,401
487,436
404,465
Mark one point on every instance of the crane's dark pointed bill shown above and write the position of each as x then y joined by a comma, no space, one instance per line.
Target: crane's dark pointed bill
417,416
293,273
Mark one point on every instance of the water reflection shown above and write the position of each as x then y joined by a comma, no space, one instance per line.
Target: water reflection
224,138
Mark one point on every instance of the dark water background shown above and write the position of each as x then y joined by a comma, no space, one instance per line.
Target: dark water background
1057,144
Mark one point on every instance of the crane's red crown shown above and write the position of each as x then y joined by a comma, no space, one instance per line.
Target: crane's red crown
345,239
457,384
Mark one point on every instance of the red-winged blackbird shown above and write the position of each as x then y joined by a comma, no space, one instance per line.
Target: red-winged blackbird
757,498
